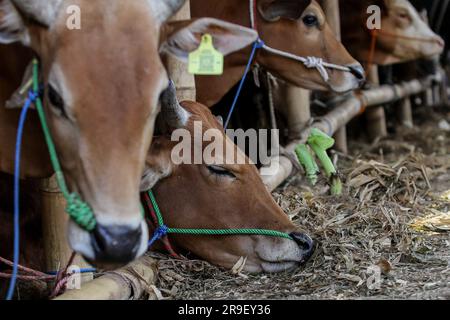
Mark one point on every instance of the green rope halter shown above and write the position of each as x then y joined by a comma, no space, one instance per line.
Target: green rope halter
163,230
78,210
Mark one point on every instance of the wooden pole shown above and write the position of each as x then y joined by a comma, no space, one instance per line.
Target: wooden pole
298,109
331,9
54,226
184,82
376,117
405,113
129,283
429,97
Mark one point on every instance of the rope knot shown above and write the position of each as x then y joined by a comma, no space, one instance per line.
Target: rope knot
80,212
32,96
159,233
314,62
259,44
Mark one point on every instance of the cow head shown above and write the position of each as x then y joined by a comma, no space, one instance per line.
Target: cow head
404,35
102,85
219,196
301,28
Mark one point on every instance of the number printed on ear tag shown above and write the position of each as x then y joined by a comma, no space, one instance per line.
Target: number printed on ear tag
206,60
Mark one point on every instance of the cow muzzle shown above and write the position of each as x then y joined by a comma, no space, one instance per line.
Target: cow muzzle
109,247
278,255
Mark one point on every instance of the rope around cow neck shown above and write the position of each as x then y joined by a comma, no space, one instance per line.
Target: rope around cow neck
309,62
163,230
79,211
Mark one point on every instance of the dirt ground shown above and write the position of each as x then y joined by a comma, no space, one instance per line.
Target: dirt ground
387,237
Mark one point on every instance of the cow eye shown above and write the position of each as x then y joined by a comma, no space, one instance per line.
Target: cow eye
56,100
310,20
221,171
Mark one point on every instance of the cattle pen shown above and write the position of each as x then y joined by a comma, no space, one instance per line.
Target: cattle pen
385,236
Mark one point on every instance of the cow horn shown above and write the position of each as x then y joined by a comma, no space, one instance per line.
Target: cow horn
173,113
164,9
44,12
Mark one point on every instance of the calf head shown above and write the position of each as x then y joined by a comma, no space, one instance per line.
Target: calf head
301,28
404,34
218,194
102,85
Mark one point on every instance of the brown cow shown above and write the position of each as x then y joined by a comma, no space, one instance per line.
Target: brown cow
295,26
219,196
403,35
102,86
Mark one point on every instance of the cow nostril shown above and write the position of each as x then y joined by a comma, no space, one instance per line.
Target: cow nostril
116,244
100,237
358,72
305,243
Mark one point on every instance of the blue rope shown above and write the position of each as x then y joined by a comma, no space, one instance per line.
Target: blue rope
159,233
257,45
84,270
12,284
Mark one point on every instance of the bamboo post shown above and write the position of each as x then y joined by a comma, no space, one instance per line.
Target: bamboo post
405,113
429,97
128,283
298,109
331,9
184,82
54,226
376,117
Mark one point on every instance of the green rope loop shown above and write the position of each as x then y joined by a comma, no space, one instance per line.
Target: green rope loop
214,232
78,210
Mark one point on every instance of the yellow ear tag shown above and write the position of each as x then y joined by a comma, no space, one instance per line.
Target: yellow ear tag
206,60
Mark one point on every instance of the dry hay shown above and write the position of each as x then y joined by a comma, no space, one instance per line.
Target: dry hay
394,218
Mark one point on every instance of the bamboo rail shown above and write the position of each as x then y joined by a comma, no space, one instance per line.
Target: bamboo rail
129,283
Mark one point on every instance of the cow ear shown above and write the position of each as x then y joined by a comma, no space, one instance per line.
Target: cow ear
12,26
19,97
158,163
273,10
185,36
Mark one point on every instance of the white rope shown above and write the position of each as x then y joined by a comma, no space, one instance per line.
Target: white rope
252,14
308,62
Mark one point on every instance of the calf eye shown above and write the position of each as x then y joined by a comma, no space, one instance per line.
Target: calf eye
56,101
221,171
310,20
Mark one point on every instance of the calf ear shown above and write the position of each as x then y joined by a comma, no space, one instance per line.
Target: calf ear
19,97
185,36
273,10
158,164
12,27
